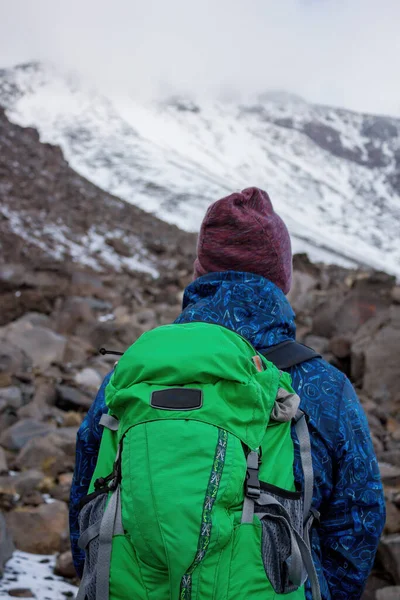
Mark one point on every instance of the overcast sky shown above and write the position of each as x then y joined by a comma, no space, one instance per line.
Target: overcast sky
343,52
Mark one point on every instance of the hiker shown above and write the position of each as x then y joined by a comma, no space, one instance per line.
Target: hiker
242,274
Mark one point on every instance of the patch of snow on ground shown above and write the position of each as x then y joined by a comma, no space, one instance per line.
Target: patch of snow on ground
35,572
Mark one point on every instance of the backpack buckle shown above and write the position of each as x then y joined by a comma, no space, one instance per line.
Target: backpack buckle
252,486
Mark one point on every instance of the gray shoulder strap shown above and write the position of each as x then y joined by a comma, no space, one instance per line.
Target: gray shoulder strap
303,436
111,525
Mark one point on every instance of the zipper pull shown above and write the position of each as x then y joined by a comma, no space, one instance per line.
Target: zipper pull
103,351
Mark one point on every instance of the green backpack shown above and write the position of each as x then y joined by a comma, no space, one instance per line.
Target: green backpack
193,495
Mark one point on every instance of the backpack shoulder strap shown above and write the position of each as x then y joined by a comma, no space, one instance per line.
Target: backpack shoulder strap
289,353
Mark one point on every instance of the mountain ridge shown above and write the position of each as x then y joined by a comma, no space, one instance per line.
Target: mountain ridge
333,174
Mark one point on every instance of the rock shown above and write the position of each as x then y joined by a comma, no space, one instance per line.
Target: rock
391,456
24,486
72,419
389,555
340,346
388,593
87,281
392,524
396,294
7,418
42,404
12,358
21,593
167,314
317,343
78,351
39,529
376,425
5,380
8,497
16,436
89,378
390,475
122,315
27,481
374,360
70,398
344,313
77,316
6,544
119,246
46,485
65,438
3,462
10,397
146,317
42,345
375,581
377,443
74,316
11,276
66,479
300,295
32,498
53,454
62,490
65,566
27,389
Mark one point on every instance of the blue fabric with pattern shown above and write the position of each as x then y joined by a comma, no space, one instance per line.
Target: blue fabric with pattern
347,492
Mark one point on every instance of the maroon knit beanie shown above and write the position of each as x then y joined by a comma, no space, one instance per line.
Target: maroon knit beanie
242,232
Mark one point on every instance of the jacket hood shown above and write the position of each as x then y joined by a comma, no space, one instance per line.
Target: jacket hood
249,304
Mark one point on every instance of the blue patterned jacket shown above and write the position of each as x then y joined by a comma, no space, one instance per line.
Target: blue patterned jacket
347,491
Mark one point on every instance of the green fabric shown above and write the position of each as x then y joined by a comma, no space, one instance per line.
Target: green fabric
105,460
206,520
183,472
199,355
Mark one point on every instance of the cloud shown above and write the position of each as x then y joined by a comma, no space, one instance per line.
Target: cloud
343,52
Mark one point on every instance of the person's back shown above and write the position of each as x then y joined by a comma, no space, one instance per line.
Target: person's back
242,273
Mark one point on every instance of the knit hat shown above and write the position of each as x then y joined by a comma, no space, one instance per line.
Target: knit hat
242,232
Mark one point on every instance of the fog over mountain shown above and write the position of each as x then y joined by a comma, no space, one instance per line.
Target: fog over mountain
336,52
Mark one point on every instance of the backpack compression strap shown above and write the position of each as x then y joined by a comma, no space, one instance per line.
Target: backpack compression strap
289,353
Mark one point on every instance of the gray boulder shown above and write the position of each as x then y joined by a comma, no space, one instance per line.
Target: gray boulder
30,334
388,593
3,462
40,529
16,436
53,454
389,555
375,357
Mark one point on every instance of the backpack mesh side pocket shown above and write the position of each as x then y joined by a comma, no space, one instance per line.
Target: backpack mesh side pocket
90,519
276,545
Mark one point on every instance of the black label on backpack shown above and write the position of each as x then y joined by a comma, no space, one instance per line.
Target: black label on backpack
177,399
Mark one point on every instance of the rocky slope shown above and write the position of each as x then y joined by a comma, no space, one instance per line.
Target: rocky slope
57,309
333,174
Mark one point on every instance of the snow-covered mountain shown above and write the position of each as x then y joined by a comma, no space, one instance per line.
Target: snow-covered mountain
333,175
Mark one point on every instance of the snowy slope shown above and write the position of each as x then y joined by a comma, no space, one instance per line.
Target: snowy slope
332,174
34,573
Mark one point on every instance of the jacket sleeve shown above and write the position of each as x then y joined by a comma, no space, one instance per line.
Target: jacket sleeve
87,448
353,520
